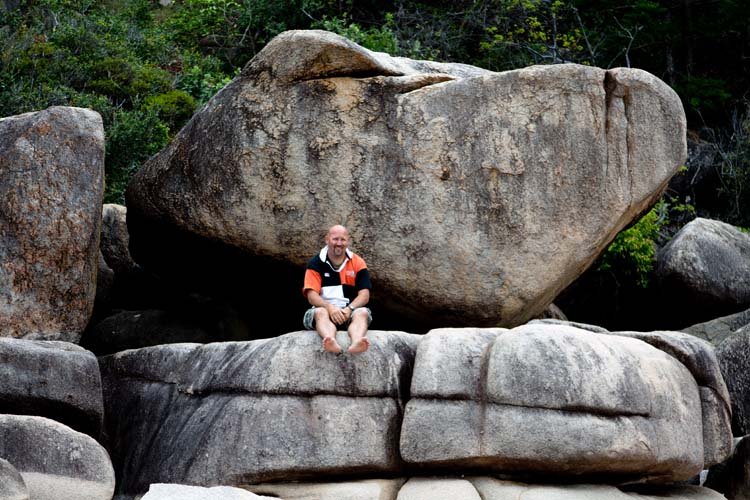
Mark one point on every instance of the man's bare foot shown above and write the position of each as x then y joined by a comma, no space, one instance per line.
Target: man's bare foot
330,345
359,346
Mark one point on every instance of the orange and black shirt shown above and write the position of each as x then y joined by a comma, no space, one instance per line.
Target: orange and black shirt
338,286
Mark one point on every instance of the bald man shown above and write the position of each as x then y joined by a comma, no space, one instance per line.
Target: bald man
337,286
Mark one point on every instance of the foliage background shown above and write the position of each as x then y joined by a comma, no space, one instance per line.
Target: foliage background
146,67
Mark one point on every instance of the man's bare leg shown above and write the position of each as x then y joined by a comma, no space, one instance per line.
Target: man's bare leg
358,332
327,330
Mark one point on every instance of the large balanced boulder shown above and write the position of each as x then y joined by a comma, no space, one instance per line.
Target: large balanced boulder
238,412
56,462
51,188
474,196
52,379
558,400
704,270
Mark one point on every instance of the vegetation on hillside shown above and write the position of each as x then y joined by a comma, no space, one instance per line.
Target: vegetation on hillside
146,67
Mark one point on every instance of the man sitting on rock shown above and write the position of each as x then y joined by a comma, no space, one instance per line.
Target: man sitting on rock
337,285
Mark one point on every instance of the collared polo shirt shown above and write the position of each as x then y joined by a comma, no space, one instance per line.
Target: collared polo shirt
338,286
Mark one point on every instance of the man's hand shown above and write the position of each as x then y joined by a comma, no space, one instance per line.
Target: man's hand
337,315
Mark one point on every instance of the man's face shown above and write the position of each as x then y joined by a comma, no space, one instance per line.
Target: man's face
337,240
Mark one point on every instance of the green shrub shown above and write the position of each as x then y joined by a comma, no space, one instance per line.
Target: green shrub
632,254
173,108
132,138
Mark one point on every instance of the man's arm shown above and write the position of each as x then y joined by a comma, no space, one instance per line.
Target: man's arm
361,300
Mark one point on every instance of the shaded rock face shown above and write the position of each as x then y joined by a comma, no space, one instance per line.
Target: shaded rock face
136,329
716,330
705,270
51,379
732,477
557,400
51,188
115,239
56,462
238,412
734,359
504,185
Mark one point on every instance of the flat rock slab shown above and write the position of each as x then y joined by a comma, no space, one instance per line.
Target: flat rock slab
472,488
52,379
238,412
365,489
554,399
12,486
528,173
185,492
51,188
56,462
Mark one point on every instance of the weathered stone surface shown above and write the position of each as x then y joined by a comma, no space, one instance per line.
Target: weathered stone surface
51,188
734,359
56,462
365,489
559,400
184,492
732,478
115,239
239,412
414,154
716,330
495,489
575,324
699,357
473,488
420,488
57,380
12,486
705,270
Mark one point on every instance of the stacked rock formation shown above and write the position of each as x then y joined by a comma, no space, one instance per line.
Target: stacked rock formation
538,399
51,412
526,199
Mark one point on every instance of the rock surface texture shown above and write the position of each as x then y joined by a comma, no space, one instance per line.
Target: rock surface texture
732,478
57,380
56,462
51,188
472,488
734,359
554,399
528,174
705,269
12,486
115,239
716,330
239,412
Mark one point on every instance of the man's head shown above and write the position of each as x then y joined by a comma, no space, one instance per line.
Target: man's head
337,241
